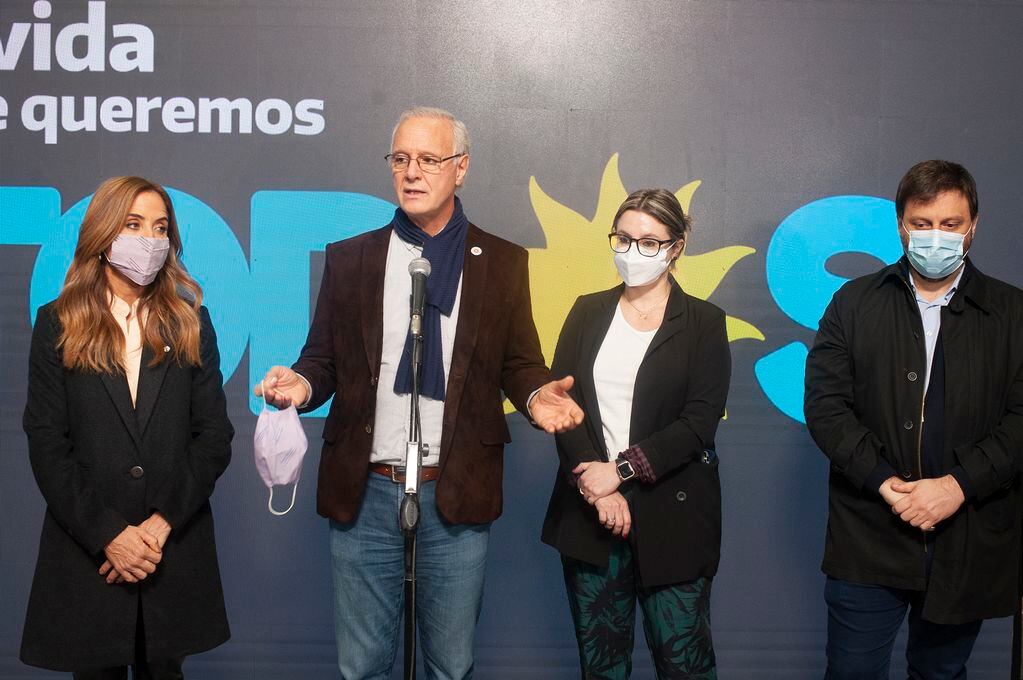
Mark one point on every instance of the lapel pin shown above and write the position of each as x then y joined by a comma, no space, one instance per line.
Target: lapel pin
476,250
166,348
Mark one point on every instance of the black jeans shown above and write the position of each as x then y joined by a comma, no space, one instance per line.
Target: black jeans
142,669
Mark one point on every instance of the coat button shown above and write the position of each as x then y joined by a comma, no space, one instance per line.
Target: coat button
136,472
911,376
906,474
680,496
908,424
369,429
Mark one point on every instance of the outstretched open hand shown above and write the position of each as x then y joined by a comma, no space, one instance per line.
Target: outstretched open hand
553,409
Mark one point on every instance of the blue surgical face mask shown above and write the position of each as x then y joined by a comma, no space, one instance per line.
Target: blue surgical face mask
935,253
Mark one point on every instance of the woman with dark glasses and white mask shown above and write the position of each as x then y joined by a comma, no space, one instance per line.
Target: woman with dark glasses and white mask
636,506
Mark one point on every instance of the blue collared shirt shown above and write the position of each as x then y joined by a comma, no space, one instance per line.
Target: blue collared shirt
930,312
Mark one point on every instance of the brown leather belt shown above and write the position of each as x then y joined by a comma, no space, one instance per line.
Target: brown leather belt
397,474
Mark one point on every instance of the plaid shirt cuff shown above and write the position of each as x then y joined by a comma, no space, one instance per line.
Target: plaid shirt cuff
644,472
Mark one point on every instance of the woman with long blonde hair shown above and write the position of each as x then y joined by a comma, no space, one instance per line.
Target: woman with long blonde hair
128,433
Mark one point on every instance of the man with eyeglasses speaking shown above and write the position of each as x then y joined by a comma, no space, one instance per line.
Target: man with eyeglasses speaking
478,340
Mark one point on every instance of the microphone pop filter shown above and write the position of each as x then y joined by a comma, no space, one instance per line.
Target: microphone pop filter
420,265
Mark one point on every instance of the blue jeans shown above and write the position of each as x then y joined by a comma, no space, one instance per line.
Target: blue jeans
863,621
367,558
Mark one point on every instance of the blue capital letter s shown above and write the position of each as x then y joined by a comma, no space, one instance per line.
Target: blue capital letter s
801,285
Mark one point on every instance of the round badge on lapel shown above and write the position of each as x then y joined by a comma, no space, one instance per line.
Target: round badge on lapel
166,348
476,250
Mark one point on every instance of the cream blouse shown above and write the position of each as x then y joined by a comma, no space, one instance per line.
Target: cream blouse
127,318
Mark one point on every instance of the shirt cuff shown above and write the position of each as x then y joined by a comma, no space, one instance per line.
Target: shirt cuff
640,465
881,472
308,391
959,472
529,400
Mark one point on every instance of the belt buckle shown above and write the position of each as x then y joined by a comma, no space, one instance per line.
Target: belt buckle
395,471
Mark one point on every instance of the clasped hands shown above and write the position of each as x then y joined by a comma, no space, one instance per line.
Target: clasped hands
925,502
598,483
135,552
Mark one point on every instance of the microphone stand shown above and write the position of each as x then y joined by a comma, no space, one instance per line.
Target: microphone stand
1016,673
408,513
1017,650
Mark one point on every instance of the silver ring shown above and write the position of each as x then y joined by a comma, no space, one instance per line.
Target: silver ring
581,492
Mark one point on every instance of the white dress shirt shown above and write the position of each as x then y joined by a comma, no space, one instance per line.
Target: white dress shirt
390,424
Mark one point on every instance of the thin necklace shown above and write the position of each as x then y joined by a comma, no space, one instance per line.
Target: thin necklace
643,315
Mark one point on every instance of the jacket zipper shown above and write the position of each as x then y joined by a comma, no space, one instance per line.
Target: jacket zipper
919,451
923,402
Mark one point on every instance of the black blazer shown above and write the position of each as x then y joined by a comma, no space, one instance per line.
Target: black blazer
679,398
102,464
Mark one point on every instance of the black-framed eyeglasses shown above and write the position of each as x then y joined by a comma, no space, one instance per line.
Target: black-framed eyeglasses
648,247
430,164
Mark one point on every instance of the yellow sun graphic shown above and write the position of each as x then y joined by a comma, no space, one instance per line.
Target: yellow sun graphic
577,261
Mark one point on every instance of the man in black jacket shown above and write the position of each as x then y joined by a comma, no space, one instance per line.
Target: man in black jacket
914,391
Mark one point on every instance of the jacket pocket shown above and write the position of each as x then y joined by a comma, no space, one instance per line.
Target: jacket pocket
1001,511
494,432
330,429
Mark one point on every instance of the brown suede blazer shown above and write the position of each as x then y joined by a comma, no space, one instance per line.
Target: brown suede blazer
496,348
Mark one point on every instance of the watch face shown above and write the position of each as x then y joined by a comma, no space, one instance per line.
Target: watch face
625,470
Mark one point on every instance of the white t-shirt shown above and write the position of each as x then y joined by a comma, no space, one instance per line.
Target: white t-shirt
614,377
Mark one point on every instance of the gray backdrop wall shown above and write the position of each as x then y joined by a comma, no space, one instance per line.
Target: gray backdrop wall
271,119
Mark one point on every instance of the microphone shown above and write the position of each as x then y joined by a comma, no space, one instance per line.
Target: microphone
419,269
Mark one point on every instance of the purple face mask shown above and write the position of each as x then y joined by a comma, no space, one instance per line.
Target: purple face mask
140,258
279,445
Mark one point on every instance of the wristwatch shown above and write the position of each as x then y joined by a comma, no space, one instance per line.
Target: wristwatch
625,470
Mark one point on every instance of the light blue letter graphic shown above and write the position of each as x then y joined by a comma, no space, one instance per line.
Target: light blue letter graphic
801,285
286,227
31,216
215,258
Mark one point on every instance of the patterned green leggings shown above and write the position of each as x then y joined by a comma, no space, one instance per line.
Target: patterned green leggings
676,620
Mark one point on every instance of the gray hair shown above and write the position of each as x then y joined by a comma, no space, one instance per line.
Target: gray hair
461,133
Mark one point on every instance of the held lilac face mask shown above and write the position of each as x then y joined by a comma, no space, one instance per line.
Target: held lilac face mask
279,445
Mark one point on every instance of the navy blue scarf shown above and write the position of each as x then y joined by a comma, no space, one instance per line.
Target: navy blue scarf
445,251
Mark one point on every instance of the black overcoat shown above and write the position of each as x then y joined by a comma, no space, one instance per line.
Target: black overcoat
103,464
864,408
678,401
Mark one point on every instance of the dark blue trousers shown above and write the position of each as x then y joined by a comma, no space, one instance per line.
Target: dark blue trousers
863,621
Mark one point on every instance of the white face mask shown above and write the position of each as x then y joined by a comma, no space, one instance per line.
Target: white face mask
639,270
279,446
